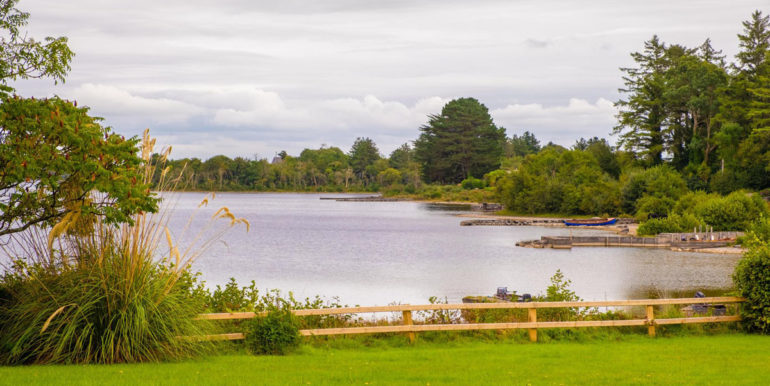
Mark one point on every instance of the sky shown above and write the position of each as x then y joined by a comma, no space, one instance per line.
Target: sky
253,77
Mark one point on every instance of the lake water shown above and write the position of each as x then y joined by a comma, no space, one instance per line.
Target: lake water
376,253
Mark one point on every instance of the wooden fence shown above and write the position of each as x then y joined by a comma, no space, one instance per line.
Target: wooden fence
532,325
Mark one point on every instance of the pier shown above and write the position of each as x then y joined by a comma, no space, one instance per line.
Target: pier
678,241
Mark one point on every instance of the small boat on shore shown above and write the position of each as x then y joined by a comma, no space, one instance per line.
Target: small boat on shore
591,222
501,296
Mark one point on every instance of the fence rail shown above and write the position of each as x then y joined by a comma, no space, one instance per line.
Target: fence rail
531,325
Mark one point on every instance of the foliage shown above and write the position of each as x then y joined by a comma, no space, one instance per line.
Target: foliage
559,181
472,183
96,314
559,291
522,146
674,223
277,333
757,234
232,298
363,154
22,57
733,212
754,42
752,279
109,295
54,157
656,188
461,142
642,114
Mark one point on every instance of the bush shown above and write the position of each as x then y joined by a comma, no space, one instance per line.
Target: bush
752,279
558,291
104,293
733,212
672,224
110,306
757,234
277,333
472,183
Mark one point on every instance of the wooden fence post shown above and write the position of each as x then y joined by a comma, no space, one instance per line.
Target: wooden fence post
408,322
532,318
650,321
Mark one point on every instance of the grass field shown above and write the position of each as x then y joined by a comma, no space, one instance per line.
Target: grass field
721,359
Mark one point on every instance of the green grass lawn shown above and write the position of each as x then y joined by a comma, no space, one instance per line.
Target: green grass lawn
730,359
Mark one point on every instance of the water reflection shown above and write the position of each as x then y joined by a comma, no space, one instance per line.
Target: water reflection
374,253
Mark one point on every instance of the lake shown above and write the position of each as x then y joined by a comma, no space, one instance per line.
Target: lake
376,253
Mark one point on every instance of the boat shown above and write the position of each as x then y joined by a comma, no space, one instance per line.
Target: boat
591,222
501,296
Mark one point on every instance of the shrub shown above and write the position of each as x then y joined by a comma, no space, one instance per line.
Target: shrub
672,224
97,314
107,295
653,204
277,333
472,183
733,212
757,234
558,291
752,279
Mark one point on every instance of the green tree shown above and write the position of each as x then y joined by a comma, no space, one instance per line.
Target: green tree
692,89
22,57
402,157
57,160
641,116
559,181
363,154
522,145
461,142
754,43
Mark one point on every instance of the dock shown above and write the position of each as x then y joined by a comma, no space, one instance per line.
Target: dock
677,241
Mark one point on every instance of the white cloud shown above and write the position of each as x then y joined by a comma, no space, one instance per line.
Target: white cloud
579,118
297,73
111,101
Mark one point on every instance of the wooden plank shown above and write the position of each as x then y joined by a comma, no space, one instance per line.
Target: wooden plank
228,315
703,319
488,326
230,336
482,306
408,322
650,321
470,326
532,318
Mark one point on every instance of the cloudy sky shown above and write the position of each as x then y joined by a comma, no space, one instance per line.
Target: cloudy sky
253,77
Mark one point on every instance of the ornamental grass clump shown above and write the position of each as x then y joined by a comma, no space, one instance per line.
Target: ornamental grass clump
89,292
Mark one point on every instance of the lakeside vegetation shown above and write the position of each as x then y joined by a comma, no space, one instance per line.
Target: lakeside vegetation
689,121
93,282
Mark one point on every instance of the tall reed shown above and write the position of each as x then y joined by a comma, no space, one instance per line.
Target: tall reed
90,292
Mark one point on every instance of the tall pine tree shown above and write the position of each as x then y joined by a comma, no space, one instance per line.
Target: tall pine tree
461,142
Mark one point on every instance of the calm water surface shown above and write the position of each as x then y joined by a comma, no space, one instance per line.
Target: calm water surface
375,253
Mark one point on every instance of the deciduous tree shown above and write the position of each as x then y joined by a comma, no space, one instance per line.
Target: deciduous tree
56,160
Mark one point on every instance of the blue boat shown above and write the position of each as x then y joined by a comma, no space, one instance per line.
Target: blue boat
591,222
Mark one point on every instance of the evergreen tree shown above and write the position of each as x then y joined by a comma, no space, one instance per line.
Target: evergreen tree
754,42
461,142
641,115
522,145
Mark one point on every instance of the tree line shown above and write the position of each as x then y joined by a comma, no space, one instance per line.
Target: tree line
688,120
